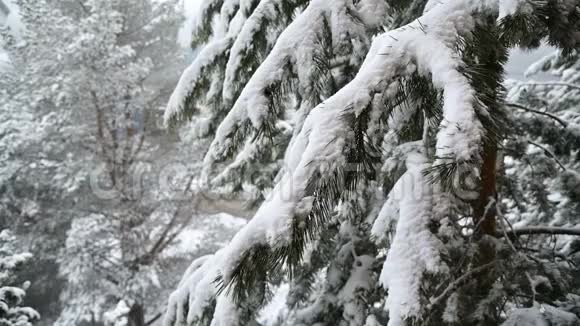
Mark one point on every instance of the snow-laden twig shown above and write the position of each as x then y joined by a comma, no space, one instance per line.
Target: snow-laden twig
296,46
563,84
425,47
549,153
415,249
458,282
538,230
548,114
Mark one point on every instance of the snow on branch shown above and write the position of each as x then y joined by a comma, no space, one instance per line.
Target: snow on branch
202,22
550,83
192,300
192,80
252,36
415,250
295,52
198,81
434,302
547,114
427,47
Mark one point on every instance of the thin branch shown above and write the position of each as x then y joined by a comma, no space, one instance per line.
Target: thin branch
550,115
505,234
161,242
457,283
549,153
531,230
154,319
532,286
570,85
83,7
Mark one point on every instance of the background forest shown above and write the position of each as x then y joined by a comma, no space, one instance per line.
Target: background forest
289,162
93,202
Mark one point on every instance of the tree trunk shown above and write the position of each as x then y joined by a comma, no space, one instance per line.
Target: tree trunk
136,316
484,209
484,216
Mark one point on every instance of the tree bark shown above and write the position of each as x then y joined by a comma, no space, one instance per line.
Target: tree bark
484,209
484,217
136,315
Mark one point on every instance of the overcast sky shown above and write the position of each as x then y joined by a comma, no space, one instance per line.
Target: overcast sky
520,60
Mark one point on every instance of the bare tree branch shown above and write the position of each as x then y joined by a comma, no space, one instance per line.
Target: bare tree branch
549,153
457,283
531,230
570,85
154,319
550,115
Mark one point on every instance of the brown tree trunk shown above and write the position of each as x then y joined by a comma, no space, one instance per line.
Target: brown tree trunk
136,316
484,209
484,216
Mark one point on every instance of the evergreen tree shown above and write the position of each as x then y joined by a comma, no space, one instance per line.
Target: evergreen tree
12,313
545,156
540,187
389,206
80,110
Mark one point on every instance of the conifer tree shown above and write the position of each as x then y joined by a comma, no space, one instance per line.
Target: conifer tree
78,105
379,126
12,313
546,155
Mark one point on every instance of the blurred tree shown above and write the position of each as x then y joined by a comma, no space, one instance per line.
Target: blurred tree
80,110
11,297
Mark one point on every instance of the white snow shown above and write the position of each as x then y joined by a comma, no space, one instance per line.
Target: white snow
192,75
541,315
508,7
296,46
424,46
203,229
373,12
190,10
118,315
414,251
276,308
388,216
264,13
537,66
361,279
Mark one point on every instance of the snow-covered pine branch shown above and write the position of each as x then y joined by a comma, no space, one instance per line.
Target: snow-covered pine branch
283,61
437,47
549,147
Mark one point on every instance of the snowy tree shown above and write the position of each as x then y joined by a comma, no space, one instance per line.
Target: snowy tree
541,184
82,100
547,115
376,128
38,172
11,296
